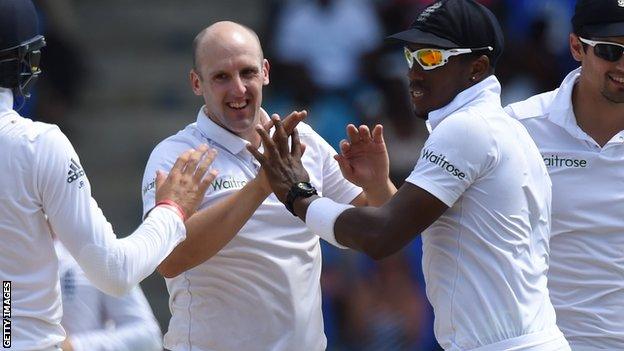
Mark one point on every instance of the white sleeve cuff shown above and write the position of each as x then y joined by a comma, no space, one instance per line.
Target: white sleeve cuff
321,217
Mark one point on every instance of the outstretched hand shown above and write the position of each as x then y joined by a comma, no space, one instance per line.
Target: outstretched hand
282,165
188,180
289,124
363,159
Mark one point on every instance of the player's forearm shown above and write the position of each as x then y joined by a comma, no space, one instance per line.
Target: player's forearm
379,195
117,265
365,229
113,265
210,229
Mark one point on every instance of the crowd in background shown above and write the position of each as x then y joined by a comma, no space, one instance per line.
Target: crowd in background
329,57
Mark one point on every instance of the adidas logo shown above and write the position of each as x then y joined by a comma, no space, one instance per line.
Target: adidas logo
75,171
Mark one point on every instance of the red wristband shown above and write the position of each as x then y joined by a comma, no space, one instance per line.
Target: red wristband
173,204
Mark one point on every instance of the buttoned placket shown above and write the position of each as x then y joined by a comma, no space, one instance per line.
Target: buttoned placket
613,148
616,140
566,120
251,165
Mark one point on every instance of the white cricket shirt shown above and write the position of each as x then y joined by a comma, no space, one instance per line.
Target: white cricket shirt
42,178
95,321
262,290
586,276
485,259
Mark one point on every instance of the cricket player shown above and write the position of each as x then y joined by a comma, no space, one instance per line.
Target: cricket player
247,276
479,192
44,188
579,130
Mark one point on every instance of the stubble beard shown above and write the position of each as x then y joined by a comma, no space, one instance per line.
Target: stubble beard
616,98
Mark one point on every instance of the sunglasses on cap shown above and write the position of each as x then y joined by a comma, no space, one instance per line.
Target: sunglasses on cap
430,58
604,49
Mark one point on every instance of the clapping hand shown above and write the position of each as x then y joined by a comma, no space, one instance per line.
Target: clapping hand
188,180
363,158
281,163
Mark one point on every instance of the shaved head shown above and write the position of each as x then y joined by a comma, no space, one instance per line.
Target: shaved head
221,35
229,72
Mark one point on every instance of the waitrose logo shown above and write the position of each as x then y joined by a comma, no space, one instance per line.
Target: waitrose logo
556,161
222,183
227,182
440,160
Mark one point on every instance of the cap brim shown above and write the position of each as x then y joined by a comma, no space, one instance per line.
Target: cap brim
417,36
615,29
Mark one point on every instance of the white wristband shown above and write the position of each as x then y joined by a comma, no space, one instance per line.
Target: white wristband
321,217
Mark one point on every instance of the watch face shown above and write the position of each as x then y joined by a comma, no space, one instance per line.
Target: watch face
305,186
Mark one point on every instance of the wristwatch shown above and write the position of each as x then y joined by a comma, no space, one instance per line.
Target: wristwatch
300,189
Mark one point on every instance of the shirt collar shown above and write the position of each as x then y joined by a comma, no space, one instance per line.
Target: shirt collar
487,89
232,142
560,111
6,100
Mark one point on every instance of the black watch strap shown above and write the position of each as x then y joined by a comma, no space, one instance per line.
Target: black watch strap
300,189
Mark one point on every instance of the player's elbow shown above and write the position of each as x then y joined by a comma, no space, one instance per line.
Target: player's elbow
168,272
379,251
368,230
379,243
168,269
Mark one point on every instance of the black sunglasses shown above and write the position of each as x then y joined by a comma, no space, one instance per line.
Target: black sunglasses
604,49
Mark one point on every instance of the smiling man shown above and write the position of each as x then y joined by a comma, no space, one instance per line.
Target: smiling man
247,276
479,192
579,129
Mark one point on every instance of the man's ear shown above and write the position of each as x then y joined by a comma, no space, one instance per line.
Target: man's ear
576,48
479,68
265,71
196,82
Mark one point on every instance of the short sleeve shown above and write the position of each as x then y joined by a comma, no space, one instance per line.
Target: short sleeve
457,153
162,159
334,186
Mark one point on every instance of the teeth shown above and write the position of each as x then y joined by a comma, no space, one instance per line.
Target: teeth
237,105
618,79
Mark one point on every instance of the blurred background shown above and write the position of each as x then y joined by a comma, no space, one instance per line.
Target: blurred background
116,82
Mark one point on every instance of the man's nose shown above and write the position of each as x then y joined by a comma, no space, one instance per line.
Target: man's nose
238,85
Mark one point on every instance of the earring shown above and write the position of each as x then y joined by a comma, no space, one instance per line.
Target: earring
473,78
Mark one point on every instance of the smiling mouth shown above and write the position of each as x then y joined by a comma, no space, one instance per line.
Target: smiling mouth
238,105
616,79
